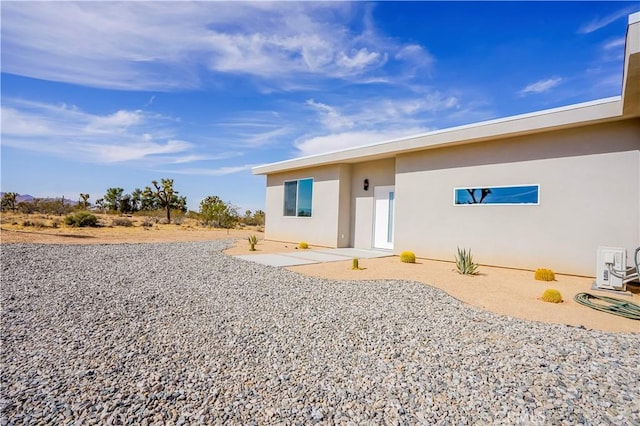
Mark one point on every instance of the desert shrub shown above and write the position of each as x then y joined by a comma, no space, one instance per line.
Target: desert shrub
55,224
407,257
147,223
303,245
464,263
253,240
545,275
34,223
81,219
552,296
121,221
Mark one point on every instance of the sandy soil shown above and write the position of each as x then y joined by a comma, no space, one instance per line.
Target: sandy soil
504,291
156,234
44,232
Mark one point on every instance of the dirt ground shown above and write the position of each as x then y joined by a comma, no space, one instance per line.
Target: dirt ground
503,291
511,292
50,229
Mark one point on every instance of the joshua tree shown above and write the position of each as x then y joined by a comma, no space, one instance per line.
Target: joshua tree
84,201
483,194
166,195
9,201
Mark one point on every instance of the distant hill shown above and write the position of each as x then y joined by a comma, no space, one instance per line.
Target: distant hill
29,198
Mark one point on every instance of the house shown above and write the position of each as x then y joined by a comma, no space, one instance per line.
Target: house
543,189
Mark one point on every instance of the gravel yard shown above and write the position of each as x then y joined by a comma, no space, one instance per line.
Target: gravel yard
179,332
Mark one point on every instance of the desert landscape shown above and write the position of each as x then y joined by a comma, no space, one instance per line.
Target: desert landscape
156,323
503,291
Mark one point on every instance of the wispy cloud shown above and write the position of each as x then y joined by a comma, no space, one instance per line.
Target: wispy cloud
601,22
220,171
375,121
614,44
541,86
171,45
346,140
254,129
118,137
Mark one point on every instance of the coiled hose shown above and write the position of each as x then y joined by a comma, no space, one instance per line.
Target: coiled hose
609,304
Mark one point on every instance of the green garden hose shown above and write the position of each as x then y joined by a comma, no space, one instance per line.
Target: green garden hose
609,304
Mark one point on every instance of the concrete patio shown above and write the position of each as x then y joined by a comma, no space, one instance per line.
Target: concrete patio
307,257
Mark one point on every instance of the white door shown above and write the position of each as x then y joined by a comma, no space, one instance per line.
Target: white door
384,199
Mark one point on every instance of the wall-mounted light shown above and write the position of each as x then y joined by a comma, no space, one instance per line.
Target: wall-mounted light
366,184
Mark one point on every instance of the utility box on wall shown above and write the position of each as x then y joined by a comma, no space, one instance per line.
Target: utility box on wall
610,258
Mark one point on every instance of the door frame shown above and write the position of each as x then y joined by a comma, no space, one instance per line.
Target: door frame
384,189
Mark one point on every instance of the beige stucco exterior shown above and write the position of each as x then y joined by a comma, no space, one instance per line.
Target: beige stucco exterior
589,196
585,159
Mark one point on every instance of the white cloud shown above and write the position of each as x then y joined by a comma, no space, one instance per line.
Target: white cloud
117,153
541,86
416,55
254,129
601,22
346,140
221,171
614,44
170,45
64,131
329,116
360,59
374,121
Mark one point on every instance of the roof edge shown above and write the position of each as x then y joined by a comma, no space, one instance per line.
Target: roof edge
600,109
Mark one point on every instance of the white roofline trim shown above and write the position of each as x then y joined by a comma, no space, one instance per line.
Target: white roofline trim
603,109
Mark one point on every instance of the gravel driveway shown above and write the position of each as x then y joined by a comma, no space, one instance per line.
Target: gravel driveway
179,332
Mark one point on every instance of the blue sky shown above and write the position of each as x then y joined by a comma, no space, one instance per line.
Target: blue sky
106,94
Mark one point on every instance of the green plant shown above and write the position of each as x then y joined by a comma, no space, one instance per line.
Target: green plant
355,264
464,263
545,275
303,245
253,240
407,257
81,219
551,295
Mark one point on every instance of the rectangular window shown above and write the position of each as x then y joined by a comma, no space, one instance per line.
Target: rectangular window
297,197
500,195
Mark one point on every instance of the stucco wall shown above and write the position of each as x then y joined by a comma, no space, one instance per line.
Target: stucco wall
379,173
322,227
589,196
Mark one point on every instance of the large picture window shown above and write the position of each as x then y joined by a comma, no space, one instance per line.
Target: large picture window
501,195
297,197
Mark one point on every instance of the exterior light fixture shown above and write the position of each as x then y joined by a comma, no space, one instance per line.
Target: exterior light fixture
366,184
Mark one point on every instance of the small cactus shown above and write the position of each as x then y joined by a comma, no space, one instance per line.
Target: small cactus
303,245
407,257
545,275
253,240
355,264
552,296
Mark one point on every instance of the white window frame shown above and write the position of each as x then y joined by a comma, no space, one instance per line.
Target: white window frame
297,196
495,186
